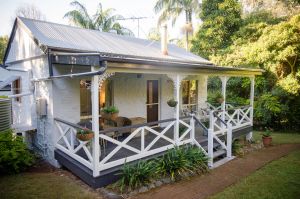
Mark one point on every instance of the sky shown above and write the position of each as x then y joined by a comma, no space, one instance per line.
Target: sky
54,11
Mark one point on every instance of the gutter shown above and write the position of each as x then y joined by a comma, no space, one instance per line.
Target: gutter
51,77
99,72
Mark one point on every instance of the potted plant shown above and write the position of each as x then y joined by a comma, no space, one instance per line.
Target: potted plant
85,134
110,113
266,138
172,103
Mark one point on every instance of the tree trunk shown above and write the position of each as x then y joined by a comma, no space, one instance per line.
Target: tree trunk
186,31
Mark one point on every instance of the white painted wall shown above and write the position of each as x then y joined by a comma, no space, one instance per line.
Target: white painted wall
22,47
130,94
34,64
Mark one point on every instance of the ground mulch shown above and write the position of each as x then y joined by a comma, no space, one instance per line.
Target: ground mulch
217,180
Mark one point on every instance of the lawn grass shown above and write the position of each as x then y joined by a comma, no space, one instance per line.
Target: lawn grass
42,185
279,179
280,138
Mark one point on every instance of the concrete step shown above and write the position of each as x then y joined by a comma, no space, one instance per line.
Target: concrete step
219,153
221,162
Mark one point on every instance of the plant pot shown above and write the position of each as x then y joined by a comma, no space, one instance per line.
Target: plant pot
105,116
113,116
172,103
267,141
85,137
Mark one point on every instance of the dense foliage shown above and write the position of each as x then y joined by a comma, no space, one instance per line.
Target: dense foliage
259,40
14,155
220,18
3,44
134,176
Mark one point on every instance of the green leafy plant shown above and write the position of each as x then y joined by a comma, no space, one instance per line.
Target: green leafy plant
196,158
85,134
237,147
111,109
266,133
14,154
84,131
173,164
134,176
215,97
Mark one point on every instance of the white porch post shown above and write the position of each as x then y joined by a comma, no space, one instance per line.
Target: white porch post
210,139
202,91
223,105
177,98
95,122
252,80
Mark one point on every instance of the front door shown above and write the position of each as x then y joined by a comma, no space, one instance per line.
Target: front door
152,100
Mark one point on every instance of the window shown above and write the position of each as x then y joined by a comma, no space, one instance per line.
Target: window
16,89
85,98
105,97
189,93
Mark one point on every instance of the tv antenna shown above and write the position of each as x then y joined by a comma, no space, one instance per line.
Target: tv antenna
135,18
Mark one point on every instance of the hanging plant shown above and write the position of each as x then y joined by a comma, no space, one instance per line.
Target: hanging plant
85,134
172,103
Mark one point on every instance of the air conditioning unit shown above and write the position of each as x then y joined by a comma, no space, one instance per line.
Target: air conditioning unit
5,114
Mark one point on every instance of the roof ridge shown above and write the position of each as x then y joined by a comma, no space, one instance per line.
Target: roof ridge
86,29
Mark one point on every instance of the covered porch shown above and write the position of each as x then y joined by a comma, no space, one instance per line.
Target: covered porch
141,96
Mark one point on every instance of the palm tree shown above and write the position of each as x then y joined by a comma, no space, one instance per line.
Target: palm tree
171,9
103,20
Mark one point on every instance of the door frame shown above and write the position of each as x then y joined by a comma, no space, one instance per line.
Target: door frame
158,98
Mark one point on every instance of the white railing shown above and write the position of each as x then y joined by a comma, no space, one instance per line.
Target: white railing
73,147
146,147
150,140
216,124
237,117
217,108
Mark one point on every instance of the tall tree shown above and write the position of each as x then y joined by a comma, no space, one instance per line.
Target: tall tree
103,20
172,9
3,44
220,19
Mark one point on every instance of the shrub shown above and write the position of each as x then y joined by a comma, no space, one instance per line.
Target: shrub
134,176
214,97
14,155
173,163
237,147
197,159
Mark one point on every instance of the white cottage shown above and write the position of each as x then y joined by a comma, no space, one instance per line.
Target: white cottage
64,77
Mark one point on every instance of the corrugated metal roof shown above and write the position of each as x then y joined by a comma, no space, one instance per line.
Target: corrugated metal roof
74,38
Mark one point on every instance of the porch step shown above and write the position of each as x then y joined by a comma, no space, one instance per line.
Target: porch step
221,162
216,145
219,153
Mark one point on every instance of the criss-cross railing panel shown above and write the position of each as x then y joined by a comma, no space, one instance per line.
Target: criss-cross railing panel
151,140
68,143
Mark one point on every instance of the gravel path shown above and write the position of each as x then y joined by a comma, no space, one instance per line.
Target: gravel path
218,179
